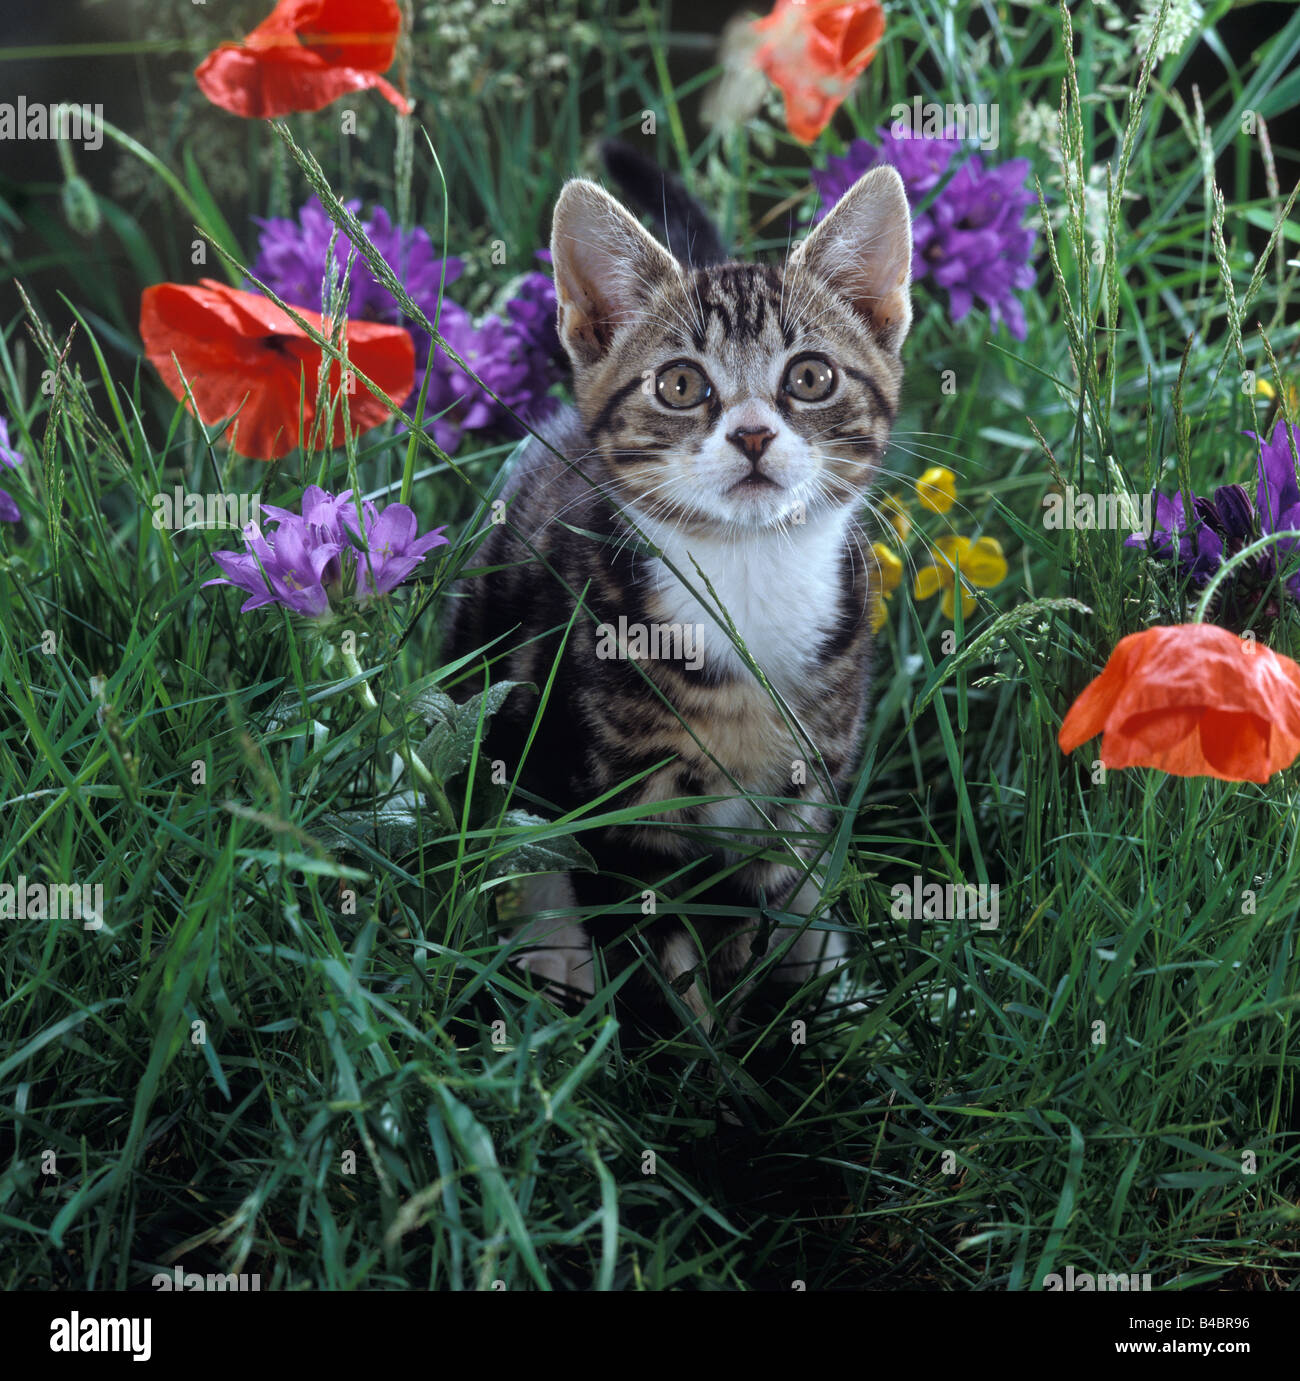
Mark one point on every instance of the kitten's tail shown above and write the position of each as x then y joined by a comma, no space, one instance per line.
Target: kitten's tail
678,219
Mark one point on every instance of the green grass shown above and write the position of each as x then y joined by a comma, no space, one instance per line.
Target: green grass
245,1071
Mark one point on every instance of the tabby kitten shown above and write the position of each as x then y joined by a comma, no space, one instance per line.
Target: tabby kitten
735,414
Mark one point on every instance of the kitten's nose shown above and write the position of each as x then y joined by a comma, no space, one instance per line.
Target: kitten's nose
751,441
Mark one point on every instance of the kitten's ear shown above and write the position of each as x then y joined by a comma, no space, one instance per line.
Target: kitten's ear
606,266
863,249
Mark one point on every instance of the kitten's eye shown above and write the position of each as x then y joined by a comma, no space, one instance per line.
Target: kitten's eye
810,379
682,385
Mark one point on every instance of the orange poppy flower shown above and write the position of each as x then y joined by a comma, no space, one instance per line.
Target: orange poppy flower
1193,700
241,354
303,55
814,51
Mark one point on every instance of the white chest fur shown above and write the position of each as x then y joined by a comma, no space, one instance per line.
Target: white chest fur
781,588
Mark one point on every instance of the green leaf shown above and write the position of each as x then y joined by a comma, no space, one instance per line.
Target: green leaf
394,830
214,222
450,744
551,853
1265,220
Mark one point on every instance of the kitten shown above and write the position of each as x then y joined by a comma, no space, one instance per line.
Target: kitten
736,414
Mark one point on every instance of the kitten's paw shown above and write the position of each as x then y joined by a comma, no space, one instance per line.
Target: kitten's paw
557,950
677,958
815,951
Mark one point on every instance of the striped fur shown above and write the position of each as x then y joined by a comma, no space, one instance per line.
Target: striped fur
759,485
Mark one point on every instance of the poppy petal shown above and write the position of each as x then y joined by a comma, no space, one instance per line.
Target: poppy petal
1192,700
1088,715
1236,746
257,87
813,52
304,55
1161,731
242,355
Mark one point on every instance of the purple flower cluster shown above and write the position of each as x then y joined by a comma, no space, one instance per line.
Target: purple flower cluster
10,459
1221,526
517,355
970,239
326,552
293,254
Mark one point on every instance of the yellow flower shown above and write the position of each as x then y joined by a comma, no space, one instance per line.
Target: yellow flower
1267,390
895,514
889,575
982,564
937,489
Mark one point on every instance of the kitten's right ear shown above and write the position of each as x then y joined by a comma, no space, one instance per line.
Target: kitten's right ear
606,266
863,249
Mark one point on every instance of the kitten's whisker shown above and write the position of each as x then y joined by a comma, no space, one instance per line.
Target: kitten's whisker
958,505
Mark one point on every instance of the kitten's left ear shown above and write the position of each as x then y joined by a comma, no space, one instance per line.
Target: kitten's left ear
606,267
863,249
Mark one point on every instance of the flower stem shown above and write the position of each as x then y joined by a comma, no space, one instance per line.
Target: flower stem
428,782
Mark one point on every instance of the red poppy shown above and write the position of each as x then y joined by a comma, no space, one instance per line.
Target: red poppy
814,51
1193,700
241,354
303,55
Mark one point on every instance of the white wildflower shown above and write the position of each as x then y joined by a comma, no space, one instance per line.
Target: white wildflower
1182,21
1038,125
